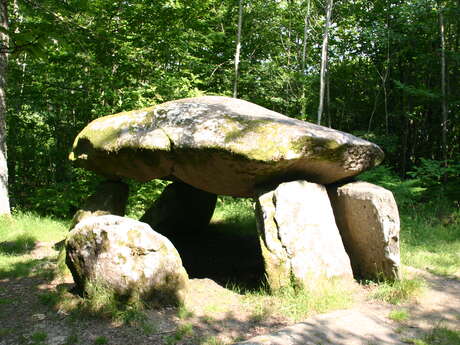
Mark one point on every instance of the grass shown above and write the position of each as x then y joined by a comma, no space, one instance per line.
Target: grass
38,338
212,341
297,303
437,336
183,313
399,315
235,215
183,331
20,235
398,291
428,242
101,340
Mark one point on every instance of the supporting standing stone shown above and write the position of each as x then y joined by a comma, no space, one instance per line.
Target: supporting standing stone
298,235
127,257
181,208
110,197
368,219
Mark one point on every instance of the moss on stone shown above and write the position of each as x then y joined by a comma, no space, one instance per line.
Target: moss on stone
103,132
321,148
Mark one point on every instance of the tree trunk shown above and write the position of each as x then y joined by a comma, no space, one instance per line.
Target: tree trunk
304,61
443,88
4,40
238,48
324,60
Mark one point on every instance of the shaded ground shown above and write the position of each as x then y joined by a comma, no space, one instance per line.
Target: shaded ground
212,314
368,323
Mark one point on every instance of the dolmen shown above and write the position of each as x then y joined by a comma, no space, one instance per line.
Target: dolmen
313,222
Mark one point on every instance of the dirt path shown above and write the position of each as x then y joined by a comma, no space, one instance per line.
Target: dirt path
213,316
368,322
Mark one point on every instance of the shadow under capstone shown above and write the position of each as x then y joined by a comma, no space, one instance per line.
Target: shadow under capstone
228,259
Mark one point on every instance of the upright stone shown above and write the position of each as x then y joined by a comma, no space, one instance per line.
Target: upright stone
368,219
181,208
127,257
298,235
110,197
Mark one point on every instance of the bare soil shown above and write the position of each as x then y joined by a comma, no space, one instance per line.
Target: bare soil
212,313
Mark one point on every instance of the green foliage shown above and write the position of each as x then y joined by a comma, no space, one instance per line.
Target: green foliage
406,192
61,200
438,177
142,196
77,61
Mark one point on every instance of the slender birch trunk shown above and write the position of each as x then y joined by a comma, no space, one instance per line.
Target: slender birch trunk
324,60
4,41
238,48
445,109
304,60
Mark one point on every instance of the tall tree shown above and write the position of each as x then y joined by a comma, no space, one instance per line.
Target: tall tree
238,49
304,58
443,86
324,59
4,41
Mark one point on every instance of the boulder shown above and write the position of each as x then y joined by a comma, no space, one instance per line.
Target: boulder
110,197
221,145
368,220
126,256
180,209
298,235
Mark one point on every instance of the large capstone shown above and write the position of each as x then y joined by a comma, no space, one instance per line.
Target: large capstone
298,235
127,257
220,145
180,209
368,220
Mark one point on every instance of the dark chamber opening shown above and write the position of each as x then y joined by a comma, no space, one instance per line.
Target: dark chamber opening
225,256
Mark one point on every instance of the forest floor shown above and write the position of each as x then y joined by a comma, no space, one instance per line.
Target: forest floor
215,315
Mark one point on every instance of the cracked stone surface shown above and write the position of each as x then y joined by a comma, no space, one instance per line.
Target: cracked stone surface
126,256
298,235
220,145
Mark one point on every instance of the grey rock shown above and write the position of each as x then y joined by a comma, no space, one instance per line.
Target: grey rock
221,145
298,235
368,220
127,257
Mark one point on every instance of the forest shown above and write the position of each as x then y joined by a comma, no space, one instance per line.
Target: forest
391,75
387,71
